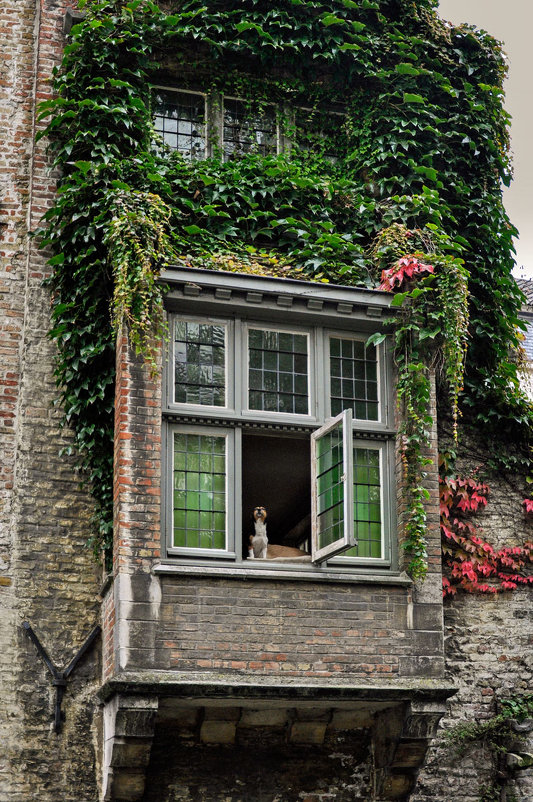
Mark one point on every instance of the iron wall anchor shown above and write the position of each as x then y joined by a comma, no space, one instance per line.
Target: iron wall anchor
59,678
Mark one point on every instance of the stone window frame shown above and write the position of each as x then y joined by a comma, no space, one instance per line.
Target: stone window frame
214,120
379,434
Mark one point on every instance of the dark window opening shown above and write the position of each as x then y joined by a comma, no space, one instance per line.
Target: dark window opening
276,474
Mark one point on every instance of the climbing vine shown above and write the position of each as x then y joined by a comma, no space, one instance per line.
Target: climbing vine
138,248
430,316
420,152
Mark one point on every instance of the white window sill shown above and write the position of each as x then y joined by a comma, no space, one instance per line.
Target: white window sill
287,570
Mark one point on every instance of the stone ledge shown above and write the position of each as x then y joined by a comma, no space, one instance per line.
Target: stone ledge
253,687
304,573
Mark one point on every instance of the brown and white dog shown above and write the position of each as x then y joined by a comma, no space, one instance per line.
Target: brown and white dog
259,548
259,541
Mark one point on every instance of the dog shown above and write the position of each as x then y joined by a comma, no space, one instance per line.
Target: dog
259,541
259,549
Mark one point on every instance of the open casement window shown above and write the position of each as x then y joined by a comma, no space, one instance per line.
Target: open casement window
332,479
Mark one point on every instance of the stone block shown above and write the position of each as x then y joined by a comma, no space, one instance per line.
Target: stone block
410,754
218,732
350,719
126,786
131,752
307,732
269,717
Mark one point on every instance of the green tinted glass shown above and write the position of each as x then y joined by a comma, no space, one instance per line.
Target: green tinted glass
367,504
199,511
329,487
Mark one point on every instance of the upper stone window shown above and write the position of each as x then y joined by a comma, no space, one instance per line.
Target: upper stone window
248,131
199,125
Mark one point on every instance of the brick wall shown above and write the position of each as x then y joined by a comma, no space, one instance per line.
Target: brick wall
47,577
16,81
267,768
296,629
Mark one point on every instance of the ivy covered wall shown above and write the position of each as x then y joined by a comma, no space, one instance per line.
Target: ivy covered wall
421,156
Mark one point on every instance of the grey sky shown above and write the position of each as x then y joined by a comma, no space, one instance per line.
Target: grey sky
511,22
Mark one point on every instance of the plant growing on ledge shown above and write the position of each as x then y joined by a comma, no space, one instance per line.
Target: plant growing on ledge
501,734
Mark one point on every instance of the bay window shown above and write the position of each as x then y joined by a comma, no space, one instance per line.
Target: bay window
294,418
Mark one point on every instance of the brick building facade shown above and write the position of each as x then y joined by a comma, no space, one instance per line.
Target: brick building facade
226,681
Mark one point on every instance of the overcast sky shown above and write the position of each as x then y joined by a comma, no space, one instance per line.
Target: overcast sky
511,22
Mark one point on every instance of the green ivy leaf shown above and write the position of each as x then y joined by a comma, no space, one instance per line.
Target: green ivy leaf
407,69
375,339
331,19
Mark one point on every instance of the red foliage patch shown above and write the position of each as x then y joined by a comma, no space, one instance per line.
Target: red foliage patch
468,559
404,269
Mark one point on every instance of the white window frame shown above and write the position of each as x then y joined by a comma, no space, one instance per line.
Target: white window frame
245,361
383,390
318,554
232,419
233,449
387,502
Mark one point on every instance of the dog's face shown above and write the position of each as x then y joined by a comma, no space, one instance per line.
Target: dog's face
259,514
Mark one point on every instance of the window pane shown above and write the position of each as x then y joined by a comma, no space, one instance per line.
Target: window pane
179,118
330,495
367,504
200,512
248,131
278,379
199,363
353,378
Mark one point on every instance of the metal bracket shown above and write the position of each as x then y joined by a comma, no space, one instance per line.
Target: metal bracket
59,678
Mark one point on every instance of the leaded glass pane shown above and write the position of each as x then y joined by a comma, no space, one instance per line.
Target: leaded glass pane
353,378
278,373
367,504
248,131
199,509
199,363
179,118
330,492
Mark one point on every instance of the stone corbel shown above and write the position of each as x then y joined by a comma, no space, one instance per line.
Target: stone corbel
129,723
401,739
